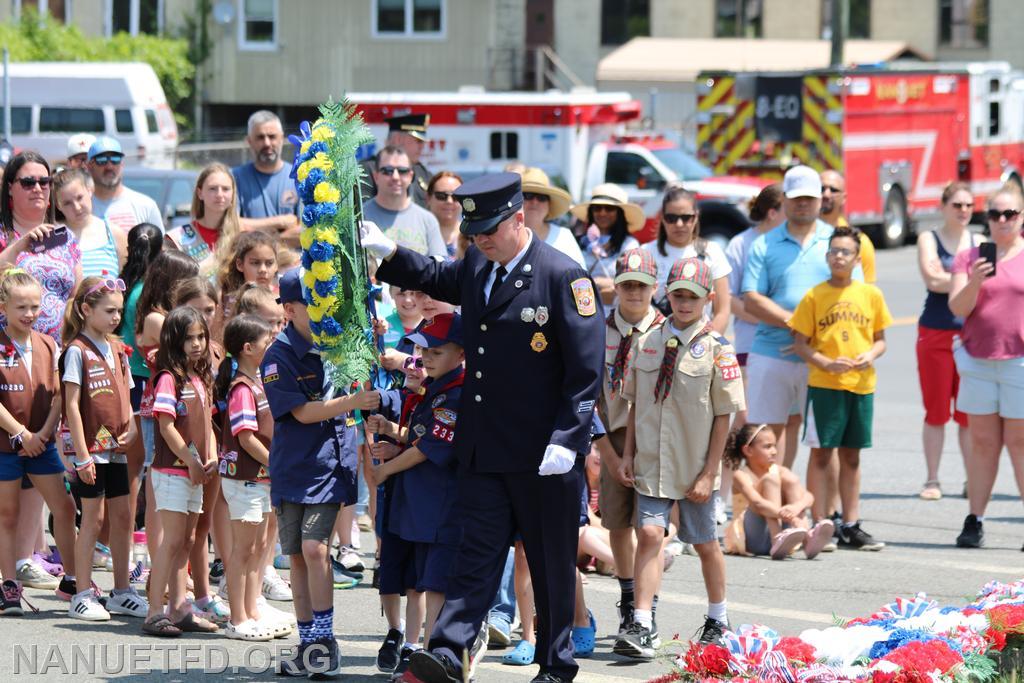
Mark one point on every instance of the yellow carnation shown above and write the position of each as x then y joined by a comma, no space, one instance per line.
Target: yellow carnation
304,168
321,161
322,270
316,313
325,302
308,279
325,235
306,238
325,192
322,133
304,147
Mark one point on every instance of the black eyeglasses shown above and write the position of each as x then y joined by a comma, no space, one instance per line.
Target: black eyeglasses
444,196
537,197
105,159
1006,214
831,188
676,217
391,170
960,206
28,182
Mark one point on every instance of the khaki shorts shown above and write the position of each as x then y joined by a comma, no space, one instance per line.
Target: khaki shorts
617,502
248,501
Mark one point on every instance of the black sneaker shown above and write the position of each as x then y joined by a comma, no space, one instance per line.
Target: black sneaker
433,668
390,652
323,659
216,570
626,615
67,589
635,642
837,521
294,666
855,538
403,663
973,534
711,631
10,599
655,638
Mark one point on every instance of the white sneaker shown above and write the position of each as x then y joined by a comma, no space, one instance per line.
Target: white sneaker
222,589
268,610
31,575
86,606
248,630
355,534
349,559
674,547
721,517
130,603
275,587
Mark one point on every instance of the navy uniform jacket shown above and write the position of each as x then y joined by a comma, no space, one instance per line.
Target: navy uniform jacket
527,384
309,463
422,497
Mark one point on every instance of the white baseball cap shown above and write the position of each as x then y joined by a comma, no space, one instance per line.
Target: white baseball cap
80,144
801,181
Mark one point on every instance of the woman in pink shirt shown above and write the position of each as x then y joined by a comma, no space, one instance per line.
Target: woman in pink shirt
989,355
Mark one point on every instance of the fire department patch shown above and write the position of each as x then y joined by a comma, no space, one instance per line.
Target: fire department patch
583,295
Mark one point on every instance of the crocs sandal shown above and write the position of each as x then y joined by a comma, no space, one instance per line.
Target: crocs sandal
584,638
161,627
522,655
193,624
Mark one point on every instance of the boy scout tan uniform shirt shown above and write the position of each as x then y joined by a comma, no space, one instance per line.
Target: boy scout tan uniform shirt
672,436
614,409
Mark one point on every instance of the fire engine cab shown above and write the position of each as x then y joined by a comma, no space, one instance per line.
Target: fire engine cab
899,133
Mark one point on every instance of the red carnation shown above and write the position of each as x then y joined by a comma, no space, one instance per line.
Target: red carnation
706,660
128,350
796,650
996,639
918,657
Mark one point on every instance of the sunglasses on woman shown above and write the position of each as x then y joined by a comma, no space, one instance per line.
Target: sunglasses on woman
1006,214
527,196
413,362
444,196
671,218
28,182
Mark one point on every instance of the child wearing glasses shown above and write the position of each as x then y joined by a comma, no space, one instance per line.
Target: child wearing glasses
838,329
95,384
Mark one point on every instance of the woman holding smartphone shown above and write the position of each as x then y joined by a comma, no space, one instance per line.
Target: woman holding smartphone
986,290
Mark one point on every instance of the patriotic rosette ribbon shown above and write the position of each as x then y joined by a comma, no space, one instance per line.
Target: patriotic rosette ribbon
337,287
748,646
903,608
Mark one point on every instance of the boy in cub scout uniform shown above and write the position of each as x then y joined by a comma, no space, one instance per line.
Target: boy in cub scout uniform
636,278
684,385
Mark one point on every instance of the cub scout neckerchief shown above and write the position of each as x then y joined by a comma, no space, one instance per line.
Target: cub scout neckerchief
668,365
617,371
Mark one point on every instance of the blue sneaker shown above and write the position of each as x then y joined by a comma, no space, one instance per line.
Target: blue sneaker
499,631
282,562
344,579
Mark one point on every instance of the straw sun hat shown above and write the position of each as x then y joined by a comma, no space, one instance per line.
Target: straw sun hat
537,182
610,194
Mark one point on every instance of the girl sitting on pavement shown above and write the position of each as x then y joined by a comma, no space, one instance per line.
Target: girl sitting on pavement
774,521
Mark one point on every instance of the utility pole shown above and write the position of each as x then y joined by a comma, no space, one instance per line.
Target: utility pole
840,27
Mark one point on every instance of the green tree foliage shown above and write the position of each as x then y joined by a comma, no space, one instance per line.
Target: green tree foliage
35,40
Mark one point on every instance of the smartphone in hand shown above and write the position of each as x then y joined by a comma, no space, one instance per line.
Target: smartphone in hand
987,251
57,238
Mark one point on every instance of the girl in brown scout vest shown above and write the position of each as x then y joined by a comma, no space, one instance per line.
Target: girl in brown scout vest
95,382
248,426
29,411
185,457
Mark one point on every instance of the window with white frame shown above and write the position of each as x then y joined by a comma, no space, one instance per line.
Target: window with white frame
413,18
257,25
59,10
134,17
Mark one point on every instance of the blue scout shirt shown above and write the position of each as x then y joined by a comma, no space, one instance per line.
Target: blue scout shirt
423,495
782,269
309,463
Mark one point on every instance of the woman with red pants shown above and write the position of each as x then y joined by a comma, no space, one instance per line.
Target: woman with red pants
936,328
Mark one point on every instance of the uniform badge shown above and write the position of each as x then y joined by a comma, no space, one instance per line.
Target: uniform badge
539,342
672,343
729,366
445,416
438,401
542,315
419,430
583,295
468,205
698,349
527,315
518,284
689,269
634,261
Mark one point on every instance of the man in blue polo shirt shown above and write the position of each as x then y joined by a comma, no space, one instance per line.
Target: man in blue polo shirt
783,264
312,474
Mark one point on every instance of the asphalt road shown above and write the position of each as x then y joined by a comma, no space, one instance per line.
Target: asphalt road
790,596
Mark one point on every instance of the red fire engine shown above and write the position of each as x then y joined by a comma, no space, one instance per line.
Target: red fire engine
898,133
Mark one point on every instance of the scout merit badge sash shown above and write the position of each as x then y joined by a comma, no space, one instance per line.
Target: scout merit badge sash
617,371
668,365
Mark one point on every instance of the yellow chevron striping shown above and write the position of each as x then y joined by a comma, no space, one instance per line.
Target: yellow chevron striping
719,91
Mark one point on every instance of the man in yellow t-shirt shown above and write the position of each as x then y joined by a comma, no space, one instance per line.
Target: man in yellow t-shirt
833,207
838,330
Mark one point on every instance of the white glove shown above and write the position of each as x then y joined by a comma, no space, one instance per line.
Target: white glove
557,460
375,242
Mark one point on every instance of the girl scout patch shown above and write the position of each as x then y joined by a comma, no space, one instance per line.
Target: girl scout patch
583,295
539,342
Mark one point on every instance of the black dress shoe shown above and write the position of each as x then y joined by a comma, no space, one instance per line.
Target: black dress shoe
433,668
548,677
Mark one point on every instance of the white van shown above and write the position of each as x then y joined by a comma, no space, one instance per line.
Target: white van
52,100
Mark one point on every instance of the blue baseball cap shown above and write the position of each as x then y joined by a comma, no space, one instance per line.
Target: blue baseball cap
291,287
105,145
444,328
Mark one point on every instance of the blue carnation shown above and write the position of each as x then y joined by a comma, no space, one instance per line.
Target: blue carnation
310,215
307,260
326,287
331,327
897,639
327,209
321,251
318,146
315,327
315,176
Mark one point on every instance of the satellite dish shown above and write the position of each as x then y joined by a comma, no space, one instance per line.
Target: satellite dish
224,12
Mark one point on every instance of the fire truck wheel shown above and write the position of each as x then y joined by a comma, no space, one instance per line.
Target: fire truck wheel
895,225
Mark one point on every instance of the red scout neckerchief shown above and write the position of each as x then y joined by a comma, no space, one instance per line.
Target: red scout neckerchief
668,365
617,371
415,399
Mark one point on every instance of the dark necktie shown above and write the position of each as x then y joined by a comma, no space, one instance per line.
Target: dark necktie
499,277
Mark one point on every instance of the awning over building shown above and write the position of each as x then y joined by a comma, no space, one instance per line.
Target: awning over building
681,59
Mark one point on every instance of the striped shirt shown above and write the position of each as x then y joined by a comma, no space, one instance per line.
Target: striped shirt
242,410
97,258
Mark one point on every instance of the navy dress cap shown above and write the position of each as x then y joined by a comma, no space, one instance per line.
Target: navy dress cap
488,200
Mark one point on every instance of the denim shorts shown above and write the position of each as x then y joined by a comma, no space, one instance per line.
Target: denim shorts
696,520
14,466
148,427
